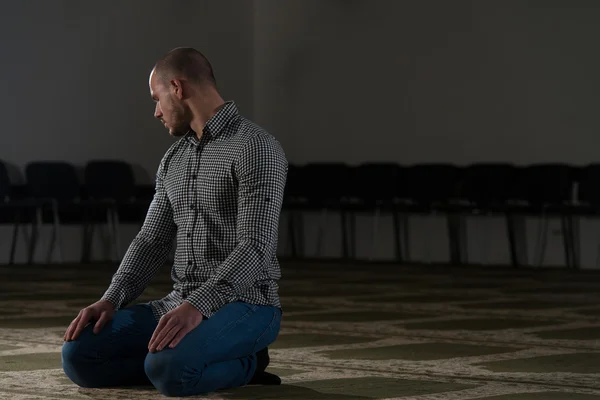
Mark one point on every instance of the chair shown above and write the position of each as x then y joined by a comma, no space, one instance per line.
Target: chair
294,202
110,185
326,187
376,188
431,189
54,187
546,190
588,203
15,207
487,188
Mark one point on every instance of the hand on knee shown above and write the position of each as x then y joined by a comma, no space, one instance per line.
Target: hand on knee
78,360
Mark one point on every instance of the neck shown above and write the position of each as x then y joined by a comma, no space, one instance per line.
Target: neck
204,110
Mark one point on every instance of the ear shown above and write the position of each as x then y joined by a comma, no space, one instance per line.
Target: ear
177,88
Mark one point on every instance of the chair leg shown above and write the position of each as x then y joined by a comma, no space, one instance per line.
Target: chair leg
397,243
512,241
352,240
291,239
598,255
28,238
484,239
15,236
426,241
343,233
405,222
463,238
453,229
36,227
51,245
376,215
55,243
575,241
320,231
86,232
300,234
542,241
522,240
57,227
90,241
566,233
112,229
117,222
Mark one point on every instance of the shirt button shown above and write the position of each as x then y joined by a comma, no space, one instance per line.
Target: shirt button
189,262
192,206
194,176
189,234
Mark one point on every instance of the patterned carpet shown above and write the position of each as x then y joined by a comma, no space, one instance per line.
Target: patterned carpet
352,332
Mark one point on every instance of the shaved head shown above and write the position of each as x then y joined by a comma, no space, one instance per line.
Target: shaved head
188,64
183,86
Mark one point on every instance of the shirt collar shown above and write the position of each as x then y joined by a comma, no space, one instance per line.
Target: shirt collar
216,124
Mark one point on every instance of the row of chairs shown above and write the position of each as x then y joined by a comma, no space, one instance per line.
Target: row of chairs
108,194
54,194
543,190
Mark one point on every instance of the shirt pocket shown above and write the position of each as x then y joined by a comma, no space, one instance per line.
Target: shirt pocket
217,193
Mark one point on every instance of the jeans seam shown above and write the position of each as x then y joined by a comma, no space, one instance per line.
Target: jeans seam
232,323
268,329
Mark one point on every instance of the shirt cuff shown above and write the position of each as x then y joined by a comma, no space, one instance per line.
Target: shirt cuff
208,299
116,295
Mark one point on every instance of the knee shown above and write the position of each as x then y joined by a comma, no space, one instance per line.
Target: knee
166,370
78,360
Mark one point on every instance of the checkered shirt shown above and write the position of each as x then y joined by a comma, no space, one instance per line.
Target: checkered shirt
221,198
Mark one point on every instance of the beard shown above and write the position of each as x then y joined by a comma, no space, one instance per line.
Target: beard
179,123
179,130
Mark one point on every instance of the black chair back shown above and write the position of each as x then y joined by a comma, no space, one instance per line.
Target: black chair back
545,184
487,183
589,185
326,182
374,182
294,185
5,190
432,183
108,179
52,180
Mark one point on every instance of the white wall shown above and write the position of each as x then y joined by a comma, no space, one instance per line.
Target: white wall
429,80
75,74
75,80
457,81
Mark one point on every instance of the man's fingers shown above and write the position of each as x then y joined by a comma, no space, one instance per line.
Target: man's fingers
157,330
177,338
169,336
164,325
101,322
83,321
71,328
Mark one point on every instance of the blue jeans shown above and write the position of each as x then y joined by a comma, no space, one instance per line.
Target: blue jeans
220,353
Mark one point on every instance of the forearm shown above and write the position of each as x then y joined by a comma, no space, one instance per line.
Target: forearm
139,266
147,252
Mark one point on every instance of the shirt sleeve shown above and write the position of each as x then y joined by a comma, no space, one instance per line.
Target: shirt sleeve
261,172
148,251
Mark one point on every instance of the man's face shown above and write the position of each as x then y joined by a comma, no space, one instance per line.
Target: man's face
170,109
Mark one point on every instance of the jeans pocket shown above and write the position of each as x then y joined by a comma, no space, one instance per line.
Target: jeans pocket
270,333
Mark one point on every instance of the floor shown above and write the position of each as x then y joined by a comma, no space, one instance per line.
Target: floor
352,332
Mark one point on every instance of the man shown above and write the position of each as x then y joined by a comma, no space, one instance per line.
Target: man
219,191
